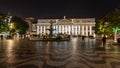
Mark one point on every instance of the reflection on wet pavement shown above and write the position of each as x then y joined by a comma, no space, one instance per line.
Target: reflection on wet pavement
76,53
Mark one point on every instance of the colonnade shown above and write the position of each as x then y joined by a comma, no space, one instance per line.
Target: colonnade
86,30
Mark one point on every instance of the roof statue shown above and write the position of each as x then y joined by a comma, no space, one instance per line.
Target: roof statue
64,17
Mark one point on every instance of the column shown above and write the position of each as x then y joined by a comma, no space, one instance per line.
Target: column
75,29
66,28
82,29
53,28
78,29
69,29
44,29
63,29
38,32
86,30
90,30
59,28
41,29
72,30
56,29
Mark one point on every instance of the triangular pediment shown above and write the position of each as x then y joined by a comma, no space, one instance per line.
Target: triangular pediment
64,21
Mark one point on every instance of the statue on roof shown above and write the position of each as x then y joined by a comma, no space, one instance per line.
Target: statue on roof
64,17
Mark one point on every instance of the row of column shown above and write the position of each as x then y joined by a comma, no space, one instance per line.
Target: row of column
69,29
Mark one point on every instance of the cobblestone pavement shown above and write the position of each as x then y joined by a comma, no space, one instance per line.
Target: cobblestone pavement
76,53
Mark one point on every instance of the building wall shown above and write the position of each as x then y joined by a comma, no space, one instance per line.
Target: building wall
82,26
31,26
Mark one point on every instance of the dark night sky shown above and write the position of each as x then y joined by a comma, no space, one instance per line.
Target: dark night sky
59,8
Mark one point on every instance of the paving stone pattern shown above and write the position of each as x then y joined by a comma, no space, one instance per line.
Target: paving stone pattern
76,53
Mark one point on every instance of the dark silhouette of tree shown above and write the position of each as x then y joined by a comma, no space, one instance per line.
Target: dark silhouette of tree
109,21
19,25
3,22
102,27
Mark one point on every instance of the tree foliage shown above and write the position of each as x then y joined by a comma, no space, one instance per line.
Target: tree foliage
103,27
113,18
20,26
3,24
109,21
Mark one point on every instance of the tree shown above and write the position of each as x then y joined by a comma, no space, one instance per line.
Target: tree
3,23
19,25
109,21
103,28
114,19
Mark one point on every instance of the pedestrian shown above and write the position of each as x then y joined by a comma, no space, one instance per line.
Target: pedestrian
1,36
104,40
83,37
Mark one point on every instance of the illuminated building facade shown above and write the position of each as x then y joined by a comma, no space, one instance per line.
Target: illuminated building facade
82,26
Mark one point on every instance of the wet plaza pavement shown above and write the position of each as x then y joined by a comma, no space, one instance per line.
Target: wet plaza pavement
76,53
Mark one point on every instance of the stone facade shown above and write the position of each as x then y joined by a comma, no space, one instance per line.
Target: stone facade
82,26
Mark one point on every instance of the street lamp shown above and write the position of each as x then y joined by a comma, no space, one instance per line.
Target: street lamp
11,25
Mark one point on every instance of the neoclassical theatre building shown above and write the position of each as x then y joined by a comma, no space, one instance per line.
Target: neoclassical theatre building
82,26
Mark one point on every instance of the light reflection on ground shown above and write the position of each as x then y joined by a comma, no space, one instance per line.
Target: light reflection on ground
58,54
